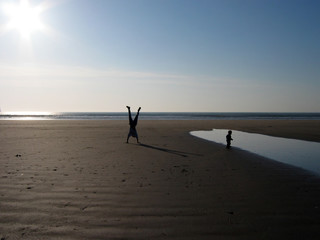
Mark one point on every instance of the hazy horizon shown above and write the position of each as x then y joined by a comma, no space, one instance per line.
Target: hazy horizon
165,56
133,111
158,116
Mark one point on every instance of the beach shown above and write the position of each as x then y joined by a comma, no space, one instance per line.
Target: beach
65,179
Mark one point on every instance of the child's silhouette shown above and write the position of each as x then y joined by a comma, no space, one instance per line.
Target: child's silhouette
229,139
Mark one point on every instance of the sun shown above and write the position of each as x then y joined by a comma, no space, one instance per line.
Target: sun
24,18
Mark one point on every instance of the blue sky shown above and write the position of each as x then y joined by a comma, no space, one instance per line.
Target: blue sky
163,55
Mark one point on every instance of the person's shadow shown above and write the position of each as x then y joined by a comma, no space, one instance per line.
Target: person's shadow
180,153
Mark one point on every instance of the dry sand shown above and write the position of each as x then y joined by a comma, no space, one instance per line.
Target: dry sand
80,180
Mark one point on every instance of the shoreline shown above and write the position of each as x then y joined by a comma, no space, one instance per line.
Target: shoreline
308,130
80,180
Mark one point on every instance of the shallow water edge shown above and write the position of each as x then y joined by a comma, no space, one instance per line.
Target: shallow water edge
299,153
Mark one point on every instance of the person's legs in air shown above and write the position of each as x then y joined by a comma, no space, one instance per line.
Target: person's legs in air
130,117
135,121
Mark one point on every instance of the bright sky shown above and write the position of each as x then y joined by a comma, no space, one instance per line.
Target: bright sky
162,55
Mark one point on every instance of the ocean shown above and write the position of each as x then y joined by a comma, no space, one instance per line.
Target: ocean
158,116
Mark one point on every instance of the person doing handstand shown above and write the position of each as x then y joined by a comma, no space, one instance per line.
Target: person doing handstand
229,139
133,124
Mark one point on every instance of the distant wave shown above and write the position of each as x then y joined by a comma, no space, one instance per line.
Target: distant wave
158,116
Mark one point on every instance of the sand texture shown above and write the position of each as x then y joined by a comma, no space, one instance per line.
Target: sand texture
80,180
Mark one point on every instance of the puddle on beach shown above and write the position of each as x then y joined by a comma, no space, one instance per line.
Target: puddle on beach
299,153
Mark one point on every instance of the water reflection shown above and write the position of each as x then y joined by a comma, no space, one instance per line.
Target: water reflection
299,153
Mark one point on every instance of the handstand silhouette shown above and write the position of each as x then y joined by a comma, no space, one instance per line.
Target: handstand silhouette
133,124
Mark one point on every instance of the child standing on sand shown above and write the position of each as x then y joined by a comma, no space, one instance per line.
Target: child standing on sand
229,139
133,124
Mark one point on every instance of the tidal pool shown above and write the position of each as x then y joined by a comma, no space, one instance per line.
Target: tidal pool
303,154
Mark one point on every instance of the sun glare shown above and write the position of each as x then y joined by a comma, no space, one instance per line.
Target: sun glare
24,18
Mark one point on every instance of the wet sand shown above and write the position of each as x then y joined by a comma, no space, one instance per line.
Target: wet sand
80,180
